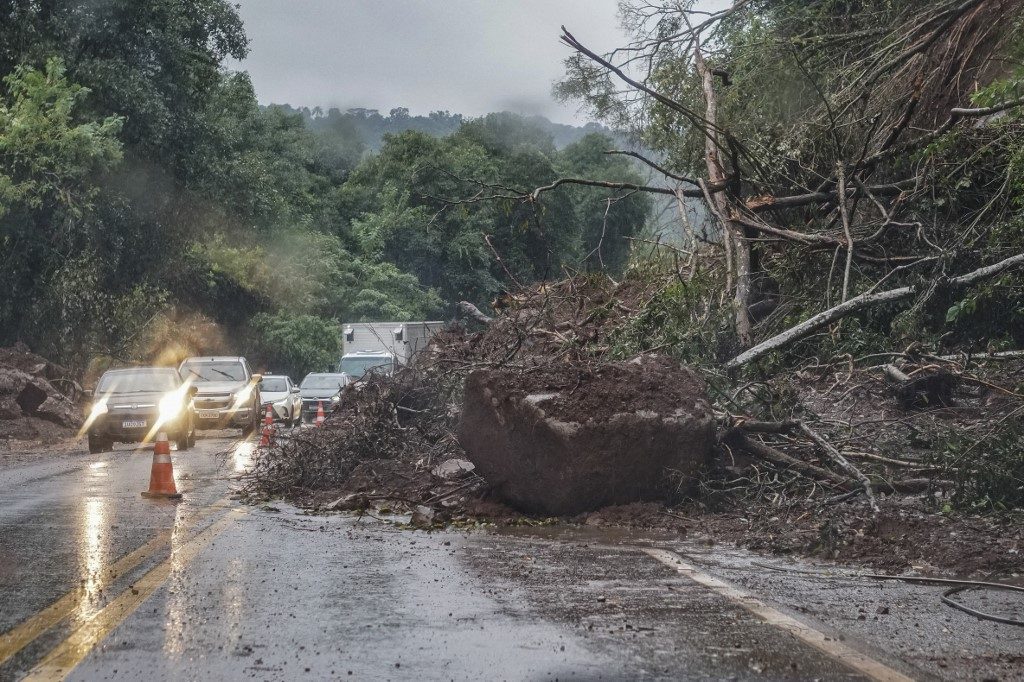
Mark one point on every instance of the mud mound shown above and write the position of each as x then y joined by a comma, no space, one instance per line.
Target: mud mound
561,442
596,393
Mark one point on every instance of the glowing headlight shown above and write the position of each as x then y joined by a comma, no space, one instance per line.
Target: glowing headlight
242,396
98,409
170,406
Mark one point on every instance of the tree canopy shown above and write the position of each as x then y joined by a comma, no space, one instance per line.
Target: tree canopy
143,186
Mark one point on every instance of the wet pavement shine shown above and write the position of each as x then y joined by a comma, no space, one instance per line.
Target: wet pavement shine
97,582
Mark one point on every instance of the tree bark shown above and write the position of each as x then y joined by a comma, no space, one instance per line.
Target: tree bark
734,230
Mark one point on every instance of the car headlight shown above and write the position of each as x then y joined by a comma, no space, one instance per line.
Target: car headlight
98,409
335,398
170,406
242,396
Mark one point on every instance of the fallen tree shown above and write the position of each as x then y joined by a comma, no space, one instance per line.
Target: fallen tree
859,303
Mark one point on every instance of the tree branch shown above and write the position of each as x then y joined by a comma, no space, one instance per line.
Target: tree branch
856,303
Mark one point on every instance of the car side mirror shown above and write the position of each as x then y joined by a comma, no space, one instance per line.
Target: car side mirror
295,389
257,378
88,392
193,390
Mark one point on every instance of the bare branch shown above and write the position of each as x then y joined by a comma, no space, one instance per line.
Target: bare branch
856,303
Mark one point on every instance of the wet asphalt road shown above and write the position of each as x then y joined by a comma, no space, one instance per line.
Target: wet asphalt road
98,583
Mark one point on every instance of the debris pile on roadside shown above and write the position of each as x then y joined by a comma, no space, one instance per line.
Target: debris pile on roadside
37,398
389,444
827,459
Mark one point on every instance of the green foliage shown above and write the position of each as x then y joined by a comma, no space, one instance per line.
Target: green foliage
143,188
401,202
293,344
46,157
680,319
988,470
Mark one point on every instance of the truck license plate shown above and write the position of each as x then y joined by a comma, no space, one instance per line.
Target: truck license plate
134,424
209,414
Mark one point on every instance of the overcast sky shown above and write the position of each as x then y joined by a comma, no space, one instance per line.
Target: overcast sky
466,56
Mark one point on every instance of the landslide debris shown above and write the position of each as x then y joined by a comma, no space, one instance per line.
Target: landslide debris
563,440
941,467
37,398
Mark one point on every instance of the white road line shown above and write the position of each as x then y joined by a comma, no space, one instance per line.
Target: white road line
849,657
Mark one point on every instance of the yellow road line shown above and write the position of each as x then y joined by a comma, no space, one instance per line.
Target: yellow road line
59,663
851,658
16,639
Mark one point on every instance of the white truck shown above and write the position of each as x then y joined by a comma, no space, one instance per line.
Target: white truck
382,346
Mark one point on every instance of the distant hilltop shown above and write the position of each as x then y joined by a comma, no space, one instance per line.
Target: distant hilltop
371,125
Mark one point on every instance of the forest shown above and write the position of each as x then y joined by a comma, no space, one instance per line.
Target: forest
151,208
856,169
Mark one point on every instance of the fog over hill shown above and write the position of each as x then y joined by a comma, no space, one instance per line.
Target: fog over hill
370,125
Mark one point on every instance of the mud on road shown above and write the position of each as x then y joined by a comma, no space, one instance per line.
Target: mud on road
212,589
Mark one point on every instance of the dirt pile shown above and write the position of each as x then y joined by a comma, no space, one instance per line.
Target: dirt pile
384,438
37,397
563,440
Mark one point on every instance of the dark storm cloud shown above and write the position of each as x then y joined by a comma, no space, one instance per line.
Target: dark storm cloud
466,56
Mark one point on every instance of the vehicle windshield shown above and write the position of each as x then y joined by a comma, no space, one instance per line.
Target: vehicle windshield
357,367
213,371
325,381
138,381
274,385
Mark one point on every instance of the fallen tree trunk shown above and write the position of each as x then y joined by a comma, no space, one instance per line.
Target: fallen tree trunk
471,311
780,458
857,303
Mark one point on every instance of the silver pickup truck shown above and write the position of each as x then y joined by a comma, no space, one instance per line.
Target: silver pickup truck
227,392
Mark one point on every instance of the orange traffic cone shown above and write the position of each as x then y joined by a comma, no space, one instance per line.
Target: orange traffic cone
268,429
161,478
320,413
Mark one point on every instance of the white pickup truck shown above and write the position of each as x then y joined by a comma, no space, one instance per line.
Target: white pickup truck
382,346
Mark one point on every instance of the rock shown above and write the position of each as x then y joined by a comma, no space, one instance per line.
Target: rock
36,397
452,468
422,516
13,381
9,407
59,410
561,441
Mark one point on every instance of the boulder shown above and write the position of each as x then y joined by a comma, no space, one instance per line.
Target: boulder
34,396
59,410
562,440
9,407
452,468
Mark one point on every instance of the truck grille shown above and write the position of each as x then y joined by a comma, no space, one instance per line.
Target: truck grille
211,402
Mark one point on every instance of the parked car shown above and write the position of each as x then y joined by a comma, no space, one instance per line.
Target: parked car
323,388
134,404
228,392
283,398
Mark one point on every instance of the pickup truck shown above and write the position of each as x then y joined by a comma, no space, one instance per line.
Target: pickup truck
227,392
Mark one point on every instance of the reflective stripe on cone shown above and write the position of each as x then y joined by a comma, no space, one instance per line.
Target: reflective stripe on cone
161,477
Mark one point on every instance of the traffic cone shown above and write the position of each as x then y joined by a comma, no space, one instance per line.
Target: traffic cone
320,413
268,429
161,478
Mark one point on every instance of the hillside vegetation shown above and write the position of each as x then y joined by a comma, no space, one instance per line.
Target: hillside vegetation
150,208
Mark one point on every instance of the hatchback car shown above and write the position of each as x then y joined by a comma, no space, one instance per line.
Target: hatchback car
281,395
134,404
320,389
